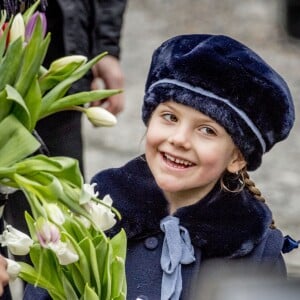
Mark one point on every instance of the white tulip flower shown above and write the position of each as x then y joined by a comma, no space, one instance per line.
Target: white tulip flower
99,116
16,241
102,216
87,193
17,28
55,214
72,62
65,252
13,269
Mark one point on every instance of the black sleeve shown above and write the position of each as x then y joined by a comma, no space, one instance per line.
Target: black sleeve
107,27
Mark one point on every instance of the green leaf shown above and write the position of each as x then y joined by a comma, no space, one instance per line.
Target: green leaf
60,89
20,111
68,288
44,185
6,172
104,255
33,100
5,105
16,142
75,228
118,276
29,274
82,264
30,11
88,248
10,64
78,280
122,296
35,205
89,294
79,99
48,188
30,224
70,170
63,167
3,39
45,280
107,280
59,70
45,261
43,163
119,244
34,55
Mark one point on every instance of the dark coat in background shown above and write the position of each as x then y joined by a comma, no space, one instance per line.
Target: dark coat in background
233,227
83,28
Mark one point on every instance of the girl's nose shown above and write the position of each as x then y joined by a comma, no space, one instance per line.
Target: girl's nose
180,138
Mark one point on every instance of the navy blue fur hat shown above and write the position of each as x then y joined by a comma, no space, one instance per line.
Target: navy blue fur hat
227,81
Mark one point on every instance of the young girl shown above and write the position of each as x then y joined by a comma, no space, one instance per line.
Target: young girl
212,109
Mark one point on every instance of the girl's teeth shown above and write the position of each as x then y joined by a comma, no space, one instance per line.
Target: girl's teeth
177,160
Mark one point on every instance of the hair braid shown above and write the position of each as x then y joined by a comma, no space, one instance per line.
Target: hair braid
250,185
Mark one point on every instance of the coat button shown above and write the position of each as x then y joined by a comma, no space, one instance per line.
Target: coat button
142,297
151,243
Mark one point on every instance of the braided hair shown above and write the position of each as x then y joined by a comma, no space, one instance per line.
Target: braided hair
250,185
235,183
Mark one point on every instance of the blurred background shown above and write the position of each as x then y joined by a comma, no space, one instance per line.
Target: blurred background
263,25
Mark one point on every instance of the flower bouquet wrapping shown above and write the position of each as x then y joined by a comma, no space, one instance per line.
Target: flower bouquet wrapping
72,257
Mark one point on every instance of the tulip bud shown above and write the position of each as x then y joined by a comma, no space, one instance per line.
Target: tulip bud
17,28
67,64
16,241
32,22
59,70
13,269
55,214
99,116
47,232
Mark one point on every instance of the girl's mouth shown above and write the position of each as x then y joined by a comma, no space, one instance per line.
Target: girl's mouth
176,162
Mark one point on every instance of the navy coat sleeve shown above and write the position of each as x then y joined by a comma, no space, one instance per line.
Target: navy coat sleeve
268,253
35,293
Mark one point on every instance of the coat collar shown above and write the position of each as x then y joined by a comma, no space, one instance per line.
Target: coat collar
221,224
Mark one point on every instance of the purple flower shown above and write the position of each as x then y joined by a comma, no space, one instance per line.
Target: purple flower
32,22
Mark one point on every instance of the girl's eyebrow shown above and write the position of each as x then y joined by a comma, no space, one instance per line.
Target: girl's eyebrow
167,105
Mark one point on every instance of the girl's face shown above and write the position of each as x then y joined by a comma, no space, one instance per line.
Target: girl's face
188,152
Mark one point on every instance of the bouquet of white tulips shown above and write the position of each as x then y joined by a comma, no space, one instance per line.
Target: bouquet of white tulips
72,258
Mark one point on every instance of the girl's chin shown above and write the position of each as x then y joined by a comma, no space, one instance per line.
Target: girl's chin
169,186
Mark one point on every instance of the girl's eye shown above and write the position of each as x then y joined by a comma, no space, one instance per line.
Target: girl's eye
170,117
208,131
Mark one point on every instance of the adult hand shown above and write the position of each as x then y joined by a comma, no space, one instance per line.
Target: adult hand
4,277
108,74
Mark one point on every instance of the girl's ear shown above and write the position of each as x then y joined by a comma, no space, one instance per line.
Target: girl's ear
237,162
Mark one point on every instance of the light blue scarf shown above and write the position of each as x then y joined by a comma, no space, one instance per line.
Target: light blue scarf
177,250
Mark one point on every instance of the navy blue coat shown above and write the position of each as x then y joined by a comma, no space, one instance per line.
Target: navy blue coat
222,225
226,226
